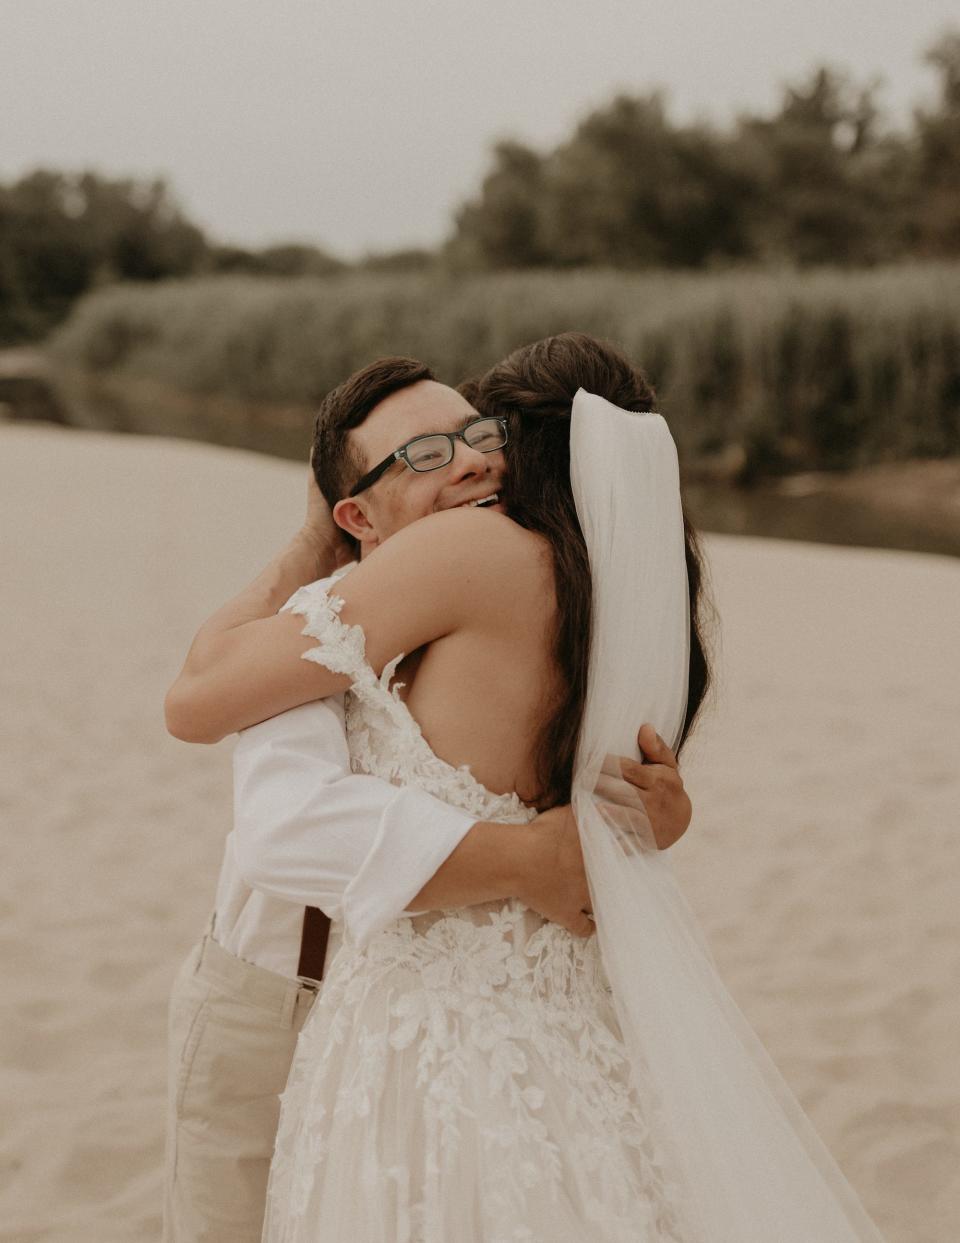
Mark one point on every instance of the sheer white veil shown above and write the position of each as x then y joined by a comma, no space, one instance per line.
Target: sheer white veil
746,1164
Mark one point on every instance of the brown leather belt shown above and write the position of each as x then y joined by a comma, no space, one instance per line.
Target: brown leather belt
313,944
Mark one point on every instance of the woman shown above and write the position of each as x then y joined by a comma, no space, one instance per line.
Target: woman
479,1074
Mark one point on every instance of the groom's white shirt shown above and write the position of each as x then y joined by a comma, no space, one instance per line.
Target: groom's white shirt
309,832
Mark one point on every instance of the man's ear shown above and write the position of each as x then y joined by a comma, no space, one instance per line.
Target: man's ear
349,516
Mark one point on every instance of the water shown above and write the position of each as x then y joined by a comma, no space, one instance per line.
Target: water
820,518
765,511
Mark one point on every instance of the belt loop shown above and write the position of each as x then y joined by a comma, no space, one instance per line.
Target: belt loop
289,1008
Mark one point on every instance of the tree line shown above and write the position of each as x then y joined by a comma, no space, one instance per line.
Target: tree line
759,371
64,234
821,181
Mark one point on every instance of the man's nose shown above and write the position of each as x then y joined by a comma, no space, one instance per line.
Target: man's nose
468,461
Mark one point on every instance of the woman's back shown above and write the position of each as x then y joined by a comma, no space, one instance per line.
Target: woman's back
481,693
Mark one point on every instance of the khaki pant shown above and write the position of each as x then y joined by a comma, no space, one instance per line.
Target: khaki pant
233,1030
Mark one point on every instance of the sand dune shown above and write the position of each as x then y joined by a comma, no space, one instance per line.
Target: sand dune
823,859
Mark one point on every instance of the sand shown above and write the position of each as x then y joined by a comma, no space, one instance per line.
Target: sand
823,859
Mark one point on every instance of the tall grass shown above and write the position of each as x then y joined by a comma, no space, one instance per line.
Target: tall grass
784,370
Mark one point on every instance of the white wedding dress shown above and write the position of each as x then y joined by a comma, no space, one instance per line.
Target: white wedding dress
480,1076
462,1078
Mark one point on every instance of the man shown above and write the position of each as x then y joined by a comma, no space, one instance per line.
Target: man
308,833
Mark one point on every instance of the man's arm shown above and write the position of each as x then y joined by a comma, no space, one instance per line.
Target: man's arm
308,831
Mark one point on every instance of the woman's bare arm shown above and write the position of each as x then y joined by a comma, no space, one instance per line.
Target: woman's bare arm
424,582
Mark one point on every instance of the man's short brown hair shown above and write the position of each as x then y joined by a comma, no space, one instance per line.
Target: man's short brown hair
336,464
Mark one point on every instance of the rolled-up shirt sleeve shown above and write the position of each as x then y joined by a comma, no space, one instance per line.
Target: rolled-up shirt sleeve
309,831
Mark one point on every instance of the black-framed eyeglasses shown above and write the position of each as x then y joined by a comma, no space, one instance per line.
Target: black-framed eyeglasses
436,449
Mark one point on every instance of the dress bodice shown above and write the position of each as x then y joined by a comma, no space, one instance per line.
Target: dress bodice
385,739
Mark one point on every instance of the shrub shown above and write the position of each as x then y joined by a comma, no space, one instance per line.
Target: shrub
813,370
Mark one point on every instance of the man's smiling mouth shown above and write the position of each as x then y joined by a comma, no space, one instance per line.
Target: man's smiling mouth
481,503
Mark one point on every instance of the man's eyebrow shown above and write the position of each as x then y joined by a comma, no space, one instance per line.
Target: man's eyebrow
474,414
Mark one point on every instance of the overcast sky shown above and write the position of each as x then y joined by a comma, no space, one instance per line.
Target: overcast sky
361,125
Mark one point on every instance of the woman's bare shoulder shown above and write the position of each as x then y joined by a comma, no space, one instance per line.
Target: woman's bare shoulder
466,553
490,543
464,532
447,572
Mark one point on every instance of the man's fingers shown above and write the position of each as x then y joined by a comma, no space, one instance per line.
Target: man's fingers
624,781
654,748
617,767
619,792
641,775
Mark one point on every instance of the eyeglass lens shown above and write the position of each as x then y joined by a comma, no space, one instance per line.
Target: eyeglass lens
431,452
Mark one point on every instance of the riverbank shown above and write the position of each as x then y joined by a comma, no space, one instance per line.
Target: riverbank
912,505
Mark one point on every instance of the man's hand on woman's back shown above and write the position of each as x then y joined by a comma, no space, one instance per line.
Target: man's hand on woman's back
554,882
652,787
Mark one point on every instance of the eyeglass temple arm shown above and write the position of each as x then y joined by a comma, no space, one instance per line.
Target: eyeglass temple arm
372,476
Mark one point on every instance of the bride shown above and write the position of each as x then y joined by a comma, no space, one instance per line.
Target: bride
481,1074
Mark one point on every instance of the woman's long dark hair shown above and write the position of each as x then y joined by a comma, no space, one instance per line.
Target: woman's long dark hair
535,386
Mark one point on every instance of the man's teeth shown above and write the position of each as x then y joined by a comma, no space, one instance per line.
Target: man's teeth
487,500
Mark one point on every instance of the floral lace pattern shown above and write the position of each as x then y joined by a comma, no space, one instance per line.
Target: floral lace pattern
462,1078
384,738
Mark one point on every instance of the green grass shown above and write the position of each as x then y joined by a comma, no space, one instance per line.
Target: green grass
783,370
